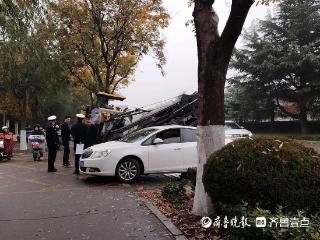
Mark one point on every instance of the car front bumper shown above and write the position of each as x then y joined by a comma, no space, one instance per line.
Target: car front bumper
97,167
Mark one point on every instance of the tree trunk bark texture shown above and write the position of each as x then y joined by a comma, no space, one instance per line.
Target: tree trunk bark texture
210,139
23,124
35,110
214,53
304,119
211,80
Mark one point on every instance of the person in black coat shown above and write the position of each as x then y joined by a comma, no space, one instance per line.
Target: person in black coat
78,132
91,134
65,137
52,143
105,126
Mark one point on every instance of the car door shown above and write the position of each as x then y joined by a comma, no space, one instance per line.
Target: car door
166,157
189,147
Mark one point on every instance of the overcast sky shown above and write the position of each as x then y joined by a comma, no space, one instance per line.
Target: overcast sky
181,53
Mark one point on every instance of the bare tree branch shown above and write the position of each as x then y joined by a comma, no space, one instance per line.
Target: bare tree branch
234,25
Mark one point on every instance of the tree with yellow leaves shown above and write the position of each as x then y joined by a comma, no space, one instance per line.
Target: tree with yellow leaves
101,42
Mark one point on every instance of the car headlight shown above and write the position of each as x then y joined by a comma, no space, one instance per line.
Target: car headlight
100,154
250,134
228,135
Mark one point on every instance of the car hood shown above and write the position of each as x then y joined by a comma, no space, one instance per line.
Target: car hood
237,131
110,145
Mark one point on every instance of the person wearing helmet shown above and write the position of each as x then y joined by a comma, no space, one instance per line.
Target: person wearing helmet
37,130
5,129
7,136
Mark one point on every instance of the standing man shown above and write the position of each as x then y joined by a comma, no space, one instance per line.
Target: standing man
91,133
78,132
52,143
105,126
65,136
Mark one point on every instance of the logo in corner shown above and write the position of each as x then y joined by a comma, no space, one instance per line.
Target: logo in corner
206,222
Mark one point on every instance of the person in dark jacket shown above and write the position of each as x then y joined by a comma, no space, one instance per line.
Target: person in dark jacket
91,133
65,137
105,126
52,143
78,132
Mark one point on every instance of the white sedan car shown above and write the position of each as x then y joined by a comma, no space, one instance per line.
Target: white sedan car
160,149
233,131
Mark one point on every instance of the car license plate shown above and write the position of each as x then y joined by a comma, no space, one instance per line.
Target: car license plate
81,163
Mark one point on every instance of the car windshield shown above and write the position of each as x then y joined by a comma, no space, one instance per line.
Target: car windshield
137,136
232,125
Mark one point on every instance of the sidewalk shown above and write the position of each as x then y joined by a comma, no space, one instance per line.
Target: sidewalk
36,204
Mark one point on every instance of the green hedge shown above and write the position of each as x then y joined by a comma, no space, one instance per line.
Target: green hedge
289,127
266,172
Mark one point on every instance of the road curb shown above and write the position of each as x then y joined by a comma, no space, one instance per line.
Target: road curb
177,234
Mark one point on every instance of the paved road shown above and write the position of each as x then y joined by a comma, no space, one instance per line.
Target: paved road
35,205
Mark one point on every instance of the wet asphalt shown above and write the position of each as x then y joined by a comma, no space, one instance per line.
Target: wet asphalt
35,204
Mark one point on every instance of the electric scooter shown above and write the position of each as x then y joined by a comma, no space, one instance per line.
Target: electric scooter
6,145
37,143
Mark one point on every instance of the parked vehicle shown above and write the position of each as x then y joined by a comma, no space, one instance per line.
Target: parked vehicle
160,149
37,143
6,145
234,131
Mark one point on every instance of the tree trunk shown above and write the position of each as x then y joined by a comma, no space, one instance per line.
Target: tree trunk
272,117
210,139
303,119
23,124
35,110
214,53
91,99
4,119
211,80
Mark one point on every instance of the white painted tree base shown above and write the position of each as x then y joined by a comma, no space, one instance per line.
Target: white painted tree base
209,139
23,140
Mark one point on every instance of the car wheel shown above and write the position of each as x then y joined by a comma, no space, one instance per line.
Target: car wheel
128,170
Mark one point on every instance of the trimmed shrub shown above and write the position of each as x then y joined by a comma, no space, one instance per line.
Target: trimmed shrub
191,175
174,192
265,172
281,127
312,232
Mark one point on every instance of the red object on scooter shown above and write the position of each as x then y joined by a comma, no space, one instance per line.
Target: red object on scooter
35,145
7,149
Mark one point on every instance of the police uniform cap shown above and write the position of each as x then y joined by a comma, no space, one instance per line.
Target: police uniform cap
51,118
79,115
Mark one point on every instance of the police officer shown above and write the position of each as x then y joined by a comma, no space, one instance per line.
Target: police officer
52,143
78,132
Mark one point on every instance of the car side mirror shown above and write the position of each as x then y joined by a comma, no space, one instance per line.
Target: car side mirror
242,127
157,141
